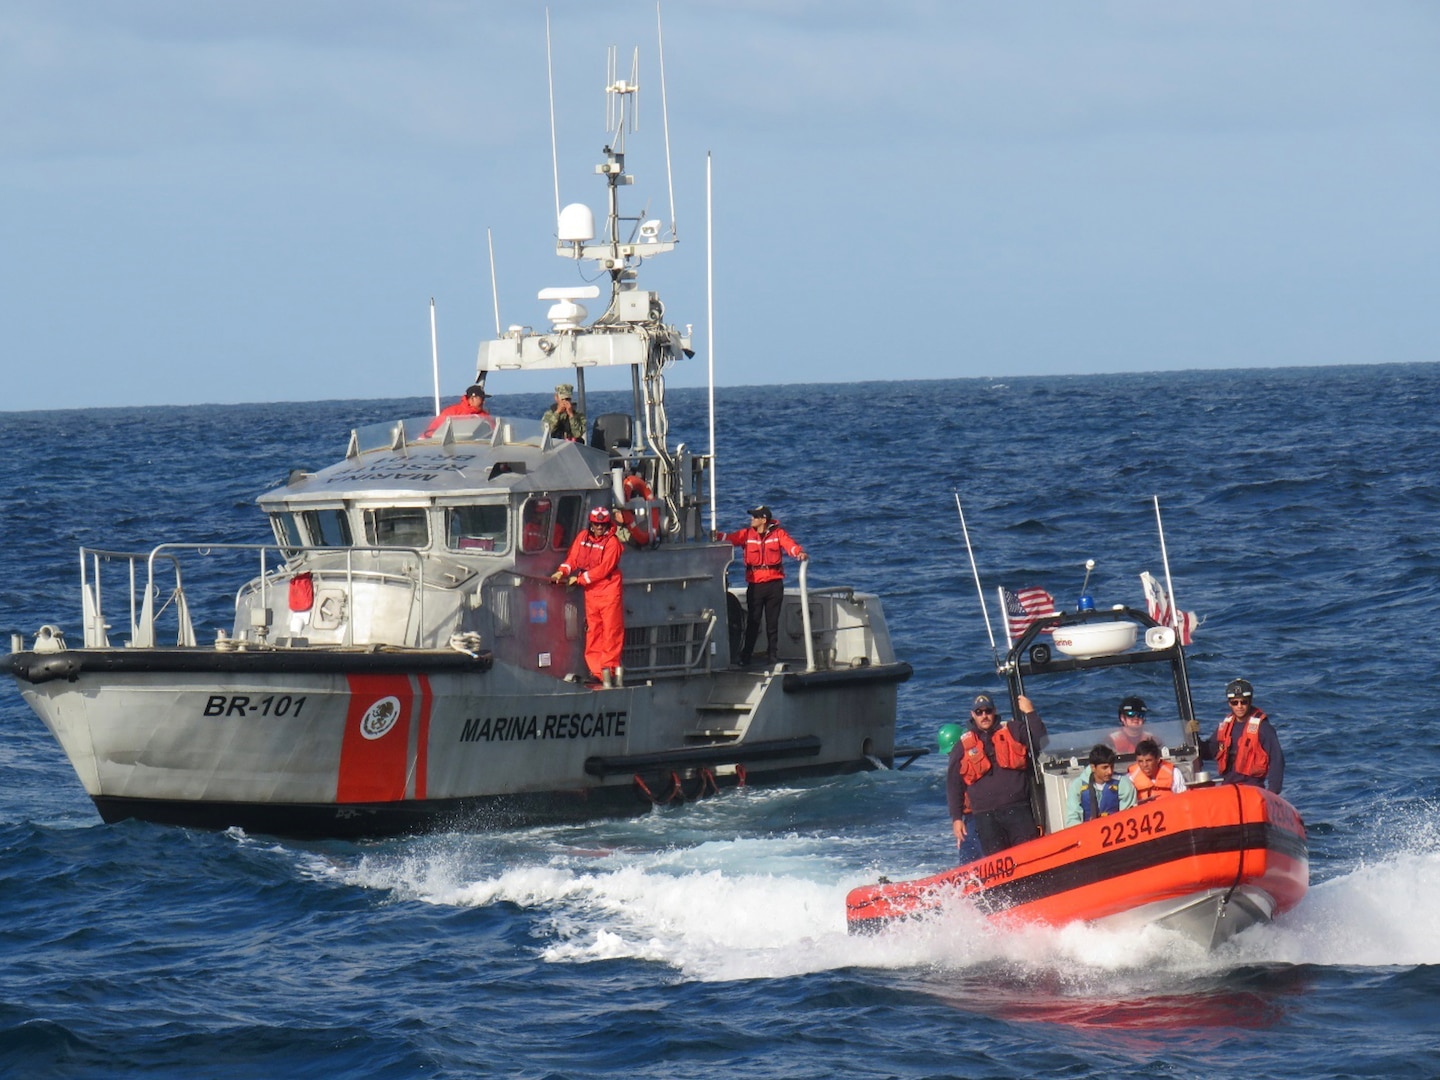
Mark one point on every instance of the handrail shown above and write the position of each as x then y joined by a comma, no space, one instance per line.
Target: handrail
92,614
805,616
287,551
143,616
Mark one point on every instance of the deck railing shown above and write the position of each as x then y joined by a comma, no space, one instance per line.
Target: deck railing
275,565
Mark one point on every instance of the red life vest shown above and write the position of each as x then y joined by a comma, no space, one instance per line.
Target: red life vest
974,762
763,550
1147,789
1250,757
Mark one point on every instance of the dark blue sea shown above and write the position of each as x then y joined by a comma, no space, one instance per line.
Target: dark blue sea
1302,519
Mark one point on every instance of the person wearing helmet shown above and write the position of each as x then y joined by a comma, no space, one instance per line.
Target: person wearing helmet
1245,748
763,542
593,563
988,776
1132,716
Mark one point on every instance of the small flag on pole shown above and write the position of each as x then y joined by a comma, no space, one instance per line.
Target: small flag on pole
1157,603
1023,607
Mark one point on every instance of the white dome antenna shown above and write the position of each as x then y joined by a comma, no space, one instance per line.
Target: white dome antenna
577,224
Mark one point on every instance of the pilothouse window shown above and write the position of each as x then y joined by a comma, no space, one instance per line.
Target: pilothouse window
535,519
478,528
287,530
327,528
567,521
402,526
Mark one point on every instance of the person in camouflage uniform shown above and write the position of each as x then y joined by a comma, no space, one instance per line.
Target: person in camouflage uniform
564,420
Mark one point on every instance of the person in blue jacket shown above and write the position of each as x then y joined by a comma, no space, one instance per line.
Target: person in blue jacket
1098,792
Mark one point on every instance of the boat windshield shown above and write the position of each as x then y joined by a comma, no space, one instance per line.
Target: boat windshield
515,431
1078,744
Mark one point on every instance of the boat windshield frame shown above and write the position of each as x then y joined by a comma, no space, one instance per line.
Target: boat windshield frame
1032,658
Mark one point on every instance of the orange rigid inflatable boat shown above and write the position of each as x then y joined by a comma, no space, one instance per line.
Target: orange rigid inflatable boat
1208,862
1209,859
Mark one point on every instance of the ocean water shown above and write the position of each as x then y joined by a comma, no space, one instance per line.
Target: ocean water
1302,520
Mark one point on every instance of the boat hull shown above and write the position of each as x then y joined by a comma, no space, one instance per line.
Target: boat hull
1209,862
369,743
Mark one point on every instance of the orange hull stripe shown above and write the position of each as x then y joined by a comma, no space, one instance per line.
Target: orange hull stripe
1172,847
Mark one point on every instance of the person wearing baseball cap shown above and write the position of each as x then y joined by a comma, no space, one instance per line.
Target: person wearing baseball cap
472,404
988,773
763,541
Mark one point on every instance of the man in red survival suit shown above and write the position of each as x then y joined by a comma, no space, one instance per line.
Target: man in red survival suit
762,542
593,563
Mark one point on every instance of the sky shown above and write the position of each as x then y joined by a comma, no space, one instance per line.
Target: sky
249,202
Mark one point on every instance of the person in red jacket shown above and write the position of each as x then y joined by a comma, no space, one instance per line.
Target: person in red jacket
472,404
593,563
763,541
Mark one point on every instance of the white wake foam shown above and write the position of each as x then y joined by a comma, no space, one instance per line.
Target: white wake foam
775,906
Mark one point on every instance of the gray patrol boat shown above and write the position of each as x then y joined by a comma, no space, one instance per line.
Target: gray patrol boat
403,662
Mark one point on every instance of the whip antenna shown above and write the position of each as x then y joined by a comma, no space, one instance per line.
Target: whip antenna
435,356
710,332
665,122
494,288
974,570
554,153
1165,558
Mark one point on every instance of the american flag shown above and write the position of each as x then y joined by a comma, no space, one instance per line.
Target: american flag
1023,607
1157,603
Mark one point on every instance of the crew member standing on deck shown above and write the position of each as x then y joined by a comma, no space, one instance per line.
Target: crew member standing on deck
593,563
990,766
763,541
1245,748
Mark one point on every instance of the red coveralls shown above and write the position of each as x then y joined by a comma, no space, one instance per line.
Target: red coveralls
596,563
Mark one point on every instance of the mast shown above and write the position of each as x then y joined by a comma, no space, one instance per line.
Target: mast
631,332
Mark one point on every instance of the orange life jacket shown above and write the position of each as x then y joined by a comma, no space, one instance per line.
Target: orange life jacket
975,763
1147,789
1250,757
641,531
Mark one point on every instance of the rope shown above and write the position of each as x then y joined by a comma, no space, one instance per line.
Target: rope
468,643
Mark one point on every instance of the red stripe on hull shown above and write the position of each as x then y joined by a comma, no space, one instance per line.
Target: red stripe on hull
422,747
375,749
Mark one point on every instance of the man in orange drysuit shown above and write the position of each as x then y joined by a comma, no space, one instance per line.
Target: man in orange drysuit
593,563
